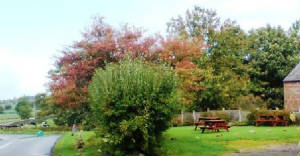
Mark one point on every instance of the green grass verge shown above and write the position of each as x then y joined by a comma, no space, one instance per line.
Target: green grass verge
184,141
66,146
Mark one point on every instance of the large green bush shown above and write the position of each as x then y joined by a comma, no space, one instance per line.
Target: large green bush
133,104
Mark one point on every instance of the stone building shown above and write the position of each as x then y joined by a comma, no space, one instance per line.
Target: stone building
292,90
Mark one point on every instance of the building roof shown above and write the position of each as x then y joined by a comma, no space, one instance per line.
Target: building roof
294,75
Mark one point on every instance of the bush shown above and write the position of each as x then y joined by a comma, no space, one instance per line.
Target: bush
249,102
176,121
133,103
221,114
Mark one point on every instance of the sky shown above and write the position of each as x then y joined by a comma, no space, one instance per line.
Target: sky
33,32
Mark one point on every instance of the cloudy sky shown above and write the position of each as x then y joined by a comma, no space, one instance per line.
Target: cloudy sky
32,32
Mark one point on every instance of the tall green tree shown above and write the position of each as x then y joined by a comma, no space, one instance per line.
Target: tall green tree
23,108
273,54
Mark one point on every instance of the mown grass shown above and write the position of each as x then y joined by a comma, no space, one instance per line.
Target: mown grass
184,141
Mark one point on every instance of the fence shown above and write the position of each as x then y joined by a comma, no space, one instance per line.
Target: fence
191,117
234,115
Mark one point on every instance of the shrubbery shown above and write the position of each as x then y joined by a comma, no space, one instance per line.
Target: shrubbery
249,102
221,114
133,103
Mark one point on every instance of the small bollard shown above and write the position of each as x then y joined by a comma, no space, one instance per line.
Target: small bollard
40,134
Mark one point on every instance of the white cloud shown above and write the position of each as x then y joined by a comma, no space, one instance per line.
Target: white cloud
257,13
22,74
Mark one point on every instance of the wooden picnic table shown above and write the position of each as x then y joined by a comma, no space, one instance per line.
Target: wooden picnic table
211,123
215,125
272,119
202,119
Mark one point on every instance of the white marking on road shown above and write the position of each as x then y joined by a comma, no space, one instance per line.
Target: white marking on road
5,145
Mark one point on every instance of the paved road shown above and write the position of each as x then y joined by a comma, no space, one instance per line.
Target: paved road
274,150
26,145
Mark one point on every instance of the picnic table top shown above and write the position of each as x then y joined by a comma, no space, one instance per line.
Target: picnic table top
215,121
209,118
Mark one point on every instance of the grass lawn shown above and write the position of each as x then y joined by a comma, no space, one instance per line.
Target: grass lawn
184,141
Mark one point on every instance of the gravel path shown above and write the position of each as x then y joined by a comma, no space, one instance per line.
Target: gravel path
273,150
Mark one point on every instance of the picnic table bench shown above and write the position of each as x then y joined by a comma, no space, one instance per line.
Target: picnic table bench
271,119
214,124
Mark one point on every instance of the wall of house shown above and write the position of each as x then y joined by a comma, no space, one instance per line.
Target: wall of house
292,96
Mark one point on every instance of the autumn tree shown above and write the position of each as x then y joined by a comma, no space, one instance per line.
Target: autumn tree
101,44
181,55
223,70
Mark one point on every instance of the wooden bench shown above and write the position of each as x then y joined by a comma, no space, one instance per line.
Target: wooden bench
271,119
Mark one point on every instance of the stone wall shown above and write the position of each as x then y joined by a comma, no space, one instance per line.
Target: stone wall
292,96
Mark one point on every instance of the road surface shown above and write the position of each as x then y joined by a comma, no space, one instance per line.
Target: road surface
26,145
274,150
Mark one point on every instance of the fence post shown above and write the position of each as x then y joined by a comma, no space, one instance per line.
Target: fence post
194,115
182,117
223,109
207,109
240,115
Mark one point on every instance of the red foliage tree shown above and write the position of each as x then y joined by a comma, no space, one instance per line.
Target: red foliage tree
100,45
181,54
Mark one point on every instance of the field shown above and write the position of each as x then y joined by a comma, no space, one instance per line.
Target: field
9,116
184,141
